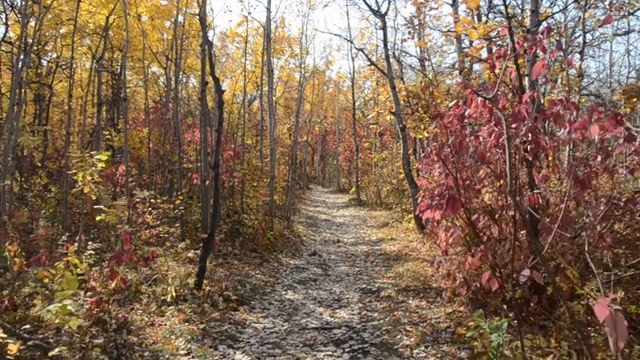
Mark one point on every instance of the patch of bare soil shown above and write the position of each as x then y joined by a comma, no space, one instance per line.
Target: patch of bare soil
339,299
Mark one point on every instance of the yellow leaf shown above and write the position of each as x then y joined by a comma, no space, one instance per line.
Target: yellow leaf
466,20
70,282
473,34
18,264
12,349
86,189
473,4
458,28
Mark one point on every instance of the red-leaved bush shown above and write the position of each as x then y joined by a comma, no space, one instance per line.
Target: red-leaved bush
532,197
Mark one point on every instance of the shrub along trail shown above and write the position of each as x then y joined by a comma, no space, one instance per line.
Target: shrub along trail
335,300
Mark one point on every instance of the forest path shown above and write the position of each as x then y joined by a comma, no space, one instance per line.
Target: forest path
328,301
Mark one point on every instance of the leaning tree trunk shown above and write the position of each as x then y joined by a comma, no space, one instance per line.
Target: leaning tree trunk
397,113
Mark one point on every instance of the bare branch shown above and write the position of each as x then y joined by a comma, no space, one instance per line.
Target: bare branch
370,60
11,331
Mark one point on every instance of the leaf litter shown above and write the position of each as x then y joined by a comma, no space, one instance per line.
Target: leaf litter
355,285
338,299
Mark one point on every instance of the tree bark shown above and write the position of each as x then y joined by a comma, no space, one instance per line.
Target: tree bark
303,50
125,109
337,149
175,109
21,60
97,134
204,131
243,135
147,108
354,134
216,213
69,125
381,15
272,115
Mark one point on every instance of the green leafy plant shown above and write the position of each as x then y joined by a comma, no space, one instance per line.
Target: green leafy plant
488,335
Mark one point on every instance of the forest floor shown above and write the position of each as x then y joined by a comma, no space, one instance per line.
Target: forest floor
351,292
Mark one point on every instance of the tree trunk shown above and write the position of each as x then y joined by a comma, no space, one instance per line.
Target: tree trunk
337,149
147,108
352,78
272,116
204,131
455,8
11,131
243,136
125,110
261,92
175,114
216,213
318,160
69,125
293,165
97,134
397,115
533,216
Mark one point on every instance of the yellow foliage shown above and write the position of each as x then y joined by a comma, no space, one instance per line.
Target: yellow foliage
628,95
473,4
466,20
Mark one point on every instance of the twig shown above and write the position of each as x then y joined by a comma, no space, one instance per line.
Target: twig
38,344
593,266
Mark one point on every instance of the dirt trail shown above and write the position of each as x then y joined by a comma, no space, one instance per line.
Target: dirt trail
326,304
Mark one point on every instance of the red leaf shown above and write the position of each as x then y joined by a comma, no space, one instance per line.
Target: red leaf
40,260
124,282
452,205
92,290
462,290
581,124
113,274
594,131
126,239
504,31
538,69
484,253
537,277
569,63
485,277
9,303
546,32
617,331
120,257
494,284
607,20
601,308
